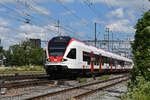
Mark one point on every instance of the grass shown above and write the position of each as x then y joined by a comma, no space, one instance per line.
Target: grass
26,68
81,80
104,77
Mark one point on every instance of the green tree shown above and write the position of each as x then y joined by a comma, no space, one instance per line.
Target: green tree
141,47
24,54
37,56
1,49
1,52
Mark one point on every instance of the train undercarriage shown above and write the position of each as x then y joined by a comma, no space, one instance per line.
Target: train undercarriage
63,71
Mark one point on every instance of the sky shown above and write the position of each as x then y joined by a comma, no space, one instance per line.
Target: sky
25,19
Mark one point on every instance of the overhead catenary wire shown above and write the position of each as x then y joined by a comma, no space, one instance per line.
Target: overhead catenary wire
19,18
32,8
112,7
75,15
66,26
22,17
88,3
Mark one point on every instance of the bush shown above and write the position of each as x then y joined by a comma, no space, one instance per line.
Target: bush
140,91
104,77
81,80
23,68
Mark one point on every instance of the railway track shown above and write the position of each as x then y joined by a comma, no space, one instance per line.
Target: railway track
22,77
16,81
23,84
81,91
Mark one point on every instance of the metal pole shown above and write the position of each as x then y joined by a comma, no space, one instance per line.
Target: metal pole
95,33
107,30
58,26
112,41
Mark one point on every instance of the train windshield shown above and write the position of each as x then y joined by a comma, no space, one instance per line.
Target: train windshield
58,45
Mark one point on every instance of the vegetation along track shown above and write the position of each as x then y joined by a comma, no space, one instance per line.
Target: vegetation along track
81,91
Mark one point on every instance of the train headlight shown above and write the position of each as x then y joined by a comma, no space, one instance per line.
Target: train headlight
48,60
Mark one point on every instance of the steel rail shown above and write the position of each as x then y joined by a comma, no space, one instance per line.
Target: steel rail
22,77
96,90
15,85
73,88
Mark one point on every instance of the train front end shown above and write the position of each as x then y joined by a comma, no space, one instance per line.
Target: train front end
56,48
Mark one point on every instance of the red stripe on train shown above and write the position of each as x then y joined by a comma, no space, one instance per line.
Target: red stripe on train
100,65
56,59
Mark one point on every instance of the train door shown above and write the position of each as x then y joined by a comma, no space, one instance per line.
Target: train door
72,58
81,64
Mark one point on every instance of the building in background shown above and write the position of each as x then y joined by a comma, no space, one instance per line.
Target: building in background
2,57
36,42
0,54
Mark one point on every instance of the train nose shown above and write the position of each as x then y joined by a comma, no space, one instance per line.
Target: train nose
55,59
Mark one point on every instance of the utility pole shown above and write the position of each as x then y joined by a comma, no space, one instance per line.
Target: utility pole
112,41
108,30
95,34
58,26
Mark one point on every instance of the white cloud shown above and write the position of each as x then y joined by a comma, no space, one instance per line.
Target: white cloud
36,8
116,13
6,37
98,21
31,4
2,9
33,31
66,1
6,1
82,22
81,34
41,10
121,26
26,31
4,23
3,30
44,32
130,14
137,5
12,1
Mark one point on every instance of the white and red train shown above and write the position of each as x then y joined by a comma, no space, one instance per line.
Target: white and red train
67,55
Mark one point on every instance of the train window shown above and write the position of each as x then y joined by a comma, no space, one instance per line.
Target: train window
121,63
130,63
116,62
113,62
108,60
58,45
86,57
72,54
104,60
126,63
96,59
